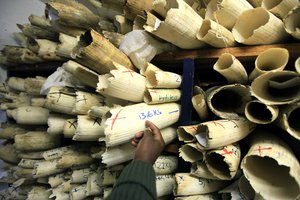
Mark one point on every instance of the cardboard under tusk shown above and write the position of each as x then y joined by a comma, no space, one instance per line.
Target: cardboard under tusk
272,59
223,163
186,184
270,91
164,185
85,75
231,68
165,165
36,141
290,22
236,96
179,25
215,134
269,154
280,8
124,84
199,102
215,34
260,113
191,153
264,28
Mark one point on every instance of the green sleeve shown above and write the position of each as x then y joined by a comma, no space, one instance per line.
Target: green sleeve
137,181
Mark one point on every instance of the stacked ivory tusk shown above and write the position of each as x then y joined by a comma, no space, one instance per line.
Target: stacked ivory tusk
74,141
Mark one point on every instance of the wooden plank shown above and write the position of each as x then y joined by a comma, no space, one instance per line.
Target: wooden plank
209,55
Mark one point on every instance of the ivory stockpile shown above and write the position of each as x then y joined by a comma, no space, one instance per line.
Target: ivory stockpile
68,135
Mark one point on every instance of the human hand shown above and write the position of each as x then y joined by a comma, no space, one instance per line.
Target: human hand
149,144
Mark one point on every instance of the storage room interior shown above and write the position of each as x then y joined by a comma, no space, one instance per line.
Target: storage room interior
219,78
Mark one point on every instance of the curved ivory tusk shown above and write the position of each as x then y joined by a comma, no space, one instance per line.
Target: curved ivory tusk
179,26
191,153
162,115
279,8
58,152
46,168
164,185
9,131
226,12
149,68
98,54
107,9
21,39
255,3
267,155
71,14
165,165
8,154
228,101
277,88
30,154
20,173
124,84
272,59
190,185
57,179
113,37
16,83
224,162
199,197
80,175
62,188
261,113
187,133
98,111
297,65
199,169
40,21
36,140
70,127
163,79
231,68
263,28
61,100
93,187
38,192
85,100
66,45
47,49
157,96
215,34
287,119
199,102
291,22
83,74
33,85
88,129
28,163
56,123
78,192
76,159
215,134
38,101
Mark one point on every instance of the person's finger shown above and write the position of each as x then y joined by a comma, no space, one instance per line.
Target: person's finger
155,131
137,137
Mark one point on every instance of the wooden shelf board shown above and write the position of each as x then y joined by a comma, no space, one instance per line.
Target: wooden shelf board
243,53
